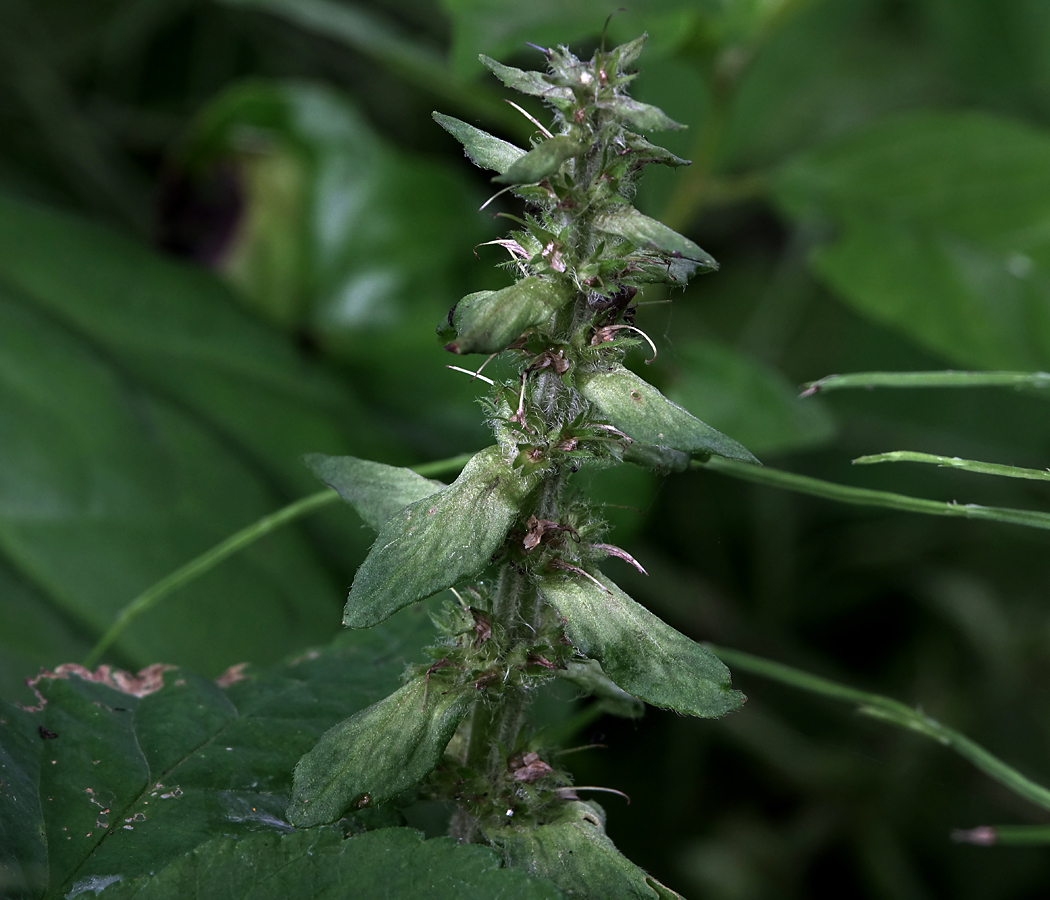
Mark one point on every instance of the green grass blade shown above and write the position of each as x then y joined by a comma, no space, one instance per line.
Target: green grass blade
927,380
894,712
868,497
954,462
208,560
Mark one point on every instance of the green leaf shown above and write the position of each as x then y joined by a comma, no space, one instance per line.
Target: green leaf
642,115
652,153
626,222
575,853
588,676
942,231
323,865
145,768
532,83
645,415
438,541
544,159
641,653
109,484
377,753
488,321
481,148
375,490
738,395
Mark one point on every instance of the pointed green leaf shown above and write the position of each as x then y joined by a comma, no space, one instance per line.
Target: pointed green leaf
642,115
438,541
376,491
482,148
644,414
322,864
575,853
651,152
627,53
378,753
626,222
639,651
532,83
542,160
488,321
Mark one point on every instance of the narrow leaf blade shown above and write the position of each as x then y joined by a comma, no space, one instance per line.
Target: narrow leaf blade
375,490
626,222
532,83
639,651
482,149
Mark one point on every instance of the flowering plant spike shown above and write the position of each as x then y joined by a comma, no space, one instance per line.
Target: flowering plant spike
511,539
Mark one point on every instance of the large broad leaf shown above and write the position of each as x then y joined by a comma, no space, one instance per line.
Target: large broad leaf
375,490
645,415
108,485
574,851
943,232
638,651
438,541
323,865
739,396
119,775
488,321
379,752
346,239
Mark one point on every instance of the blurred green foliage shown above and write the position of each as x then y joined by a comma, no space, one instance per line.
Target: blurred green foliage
228,230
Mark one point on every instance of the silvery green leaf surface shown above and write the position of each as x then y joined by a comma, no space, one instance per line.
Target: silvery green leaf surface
438,541
375,490
137,770
542,160
639,651
626,222
644,414
377,753
575,853
322,864
642,115
487,321
482,148
532,83
662,460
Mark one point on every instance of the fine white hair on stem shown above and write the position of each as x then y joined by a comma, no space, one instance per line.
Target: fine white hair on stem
648,340
477,374
494,196
531,118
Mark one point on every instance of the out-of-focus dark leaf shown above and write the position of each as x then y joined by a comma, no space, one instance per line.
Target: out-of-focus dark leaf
943,232
739,396
143,419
